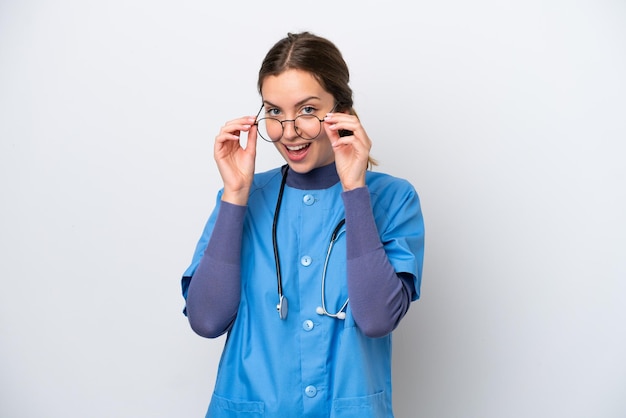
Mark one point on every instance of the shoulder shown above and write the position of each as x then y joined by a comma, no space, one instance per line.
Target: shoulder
382,184
262,180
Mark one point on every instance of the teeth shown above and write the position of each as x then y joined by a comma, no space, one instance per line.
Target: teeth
297,147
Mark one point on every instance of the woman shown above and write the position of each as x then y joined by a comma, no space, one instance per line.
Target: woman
310,266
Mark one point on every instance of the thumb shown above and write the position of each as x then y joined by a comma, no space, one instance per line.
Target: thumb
252,140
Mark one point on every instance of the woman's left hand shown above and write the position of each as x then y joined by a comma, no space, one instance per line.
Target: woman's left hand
351,151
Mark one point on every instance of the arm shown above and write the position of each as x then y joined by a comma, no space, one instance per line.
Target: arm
379,298
215,289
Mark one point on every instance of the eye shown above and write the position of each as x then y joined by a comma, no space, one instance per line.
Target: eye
308,110
272,112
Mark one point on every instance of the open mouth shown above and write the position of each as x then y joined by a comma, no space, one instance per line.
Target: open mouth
297,149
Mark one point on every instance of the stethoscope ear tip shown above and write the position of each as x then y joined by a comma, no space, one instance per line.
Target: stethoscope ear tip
339,315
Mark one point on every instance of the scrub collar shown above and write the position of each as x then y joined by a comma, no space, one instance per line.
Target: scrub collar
316,179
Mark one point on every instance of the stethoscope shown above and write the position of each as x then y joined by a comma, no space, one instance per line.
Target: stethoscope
283,305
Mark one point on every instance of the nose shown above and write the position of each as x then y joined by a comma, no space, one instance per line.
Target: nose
289,129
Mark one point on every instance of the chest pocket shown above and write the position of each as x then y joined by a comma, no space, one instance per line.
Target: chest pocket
372,406
225,408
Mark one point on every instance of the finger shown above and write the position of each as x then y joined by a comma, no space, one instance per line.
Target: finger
237,125
244,120
344,129
331,133
225,144
344,141
232,129
336,139
252,140
342,118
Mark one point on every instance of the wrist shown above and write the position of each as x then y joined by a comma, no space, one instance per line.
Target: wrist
352,185
236,197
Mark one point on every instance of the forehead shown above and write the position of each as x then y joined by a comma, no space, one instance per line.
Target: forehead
292,87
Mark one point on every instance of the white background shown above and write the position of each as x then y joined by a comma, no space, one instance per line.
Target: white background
508,117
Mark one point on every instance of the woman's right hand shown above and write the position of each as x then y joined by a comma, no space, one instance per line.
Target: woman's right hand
235,163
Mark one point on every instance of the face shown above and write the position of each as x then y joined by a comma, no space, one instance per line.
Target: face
287,96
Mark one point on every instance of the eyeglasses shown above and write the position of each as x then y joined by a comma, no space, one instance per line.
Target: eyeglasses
306,126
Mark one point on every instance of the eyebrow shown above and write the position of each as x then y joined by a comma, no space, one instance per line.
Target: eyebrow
301,102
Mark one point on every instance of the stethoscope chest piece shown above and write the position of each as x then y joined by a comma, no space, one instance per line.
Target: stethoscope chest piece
282,307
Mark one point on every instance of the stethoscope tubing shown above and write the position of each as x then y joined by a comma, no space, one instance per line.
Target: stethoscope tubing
274,238
340,314
283,306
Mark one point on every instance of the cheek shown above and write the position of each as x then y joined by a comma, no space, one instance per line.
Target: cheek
325,149
325,144
279,147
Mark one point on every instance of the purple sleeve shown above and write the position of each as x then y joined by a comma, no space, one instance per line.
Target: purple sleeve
379,298
215,287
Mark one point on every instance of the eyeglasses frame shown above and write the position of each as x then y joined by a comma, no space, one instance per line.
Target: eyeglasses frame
256,123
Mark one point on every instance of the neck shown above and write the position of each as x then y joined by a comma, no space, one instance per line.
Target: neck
316,179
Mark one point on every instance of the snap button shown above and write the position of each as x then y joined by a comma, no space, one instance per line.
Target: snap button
306,260
310,391
307,325
308,199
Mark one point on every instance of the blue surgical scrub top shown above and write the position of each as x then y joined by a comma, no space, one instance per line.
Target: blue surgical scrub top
308,365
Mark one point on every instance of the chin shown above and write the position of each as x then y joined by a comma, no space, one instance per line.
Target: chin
299,167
